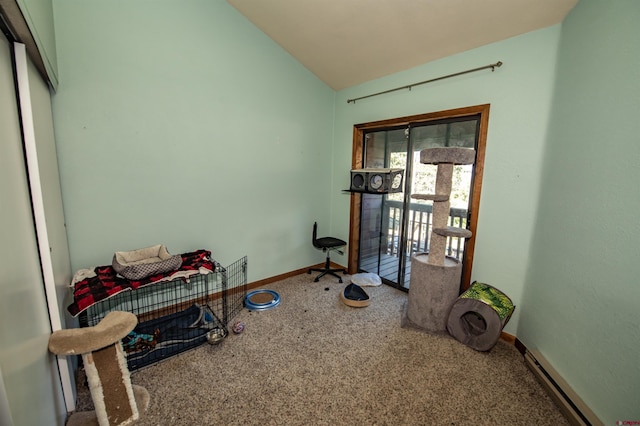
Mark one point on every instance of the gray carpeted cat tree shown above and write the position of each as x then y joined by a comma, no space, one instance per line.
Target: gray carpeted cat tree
435,278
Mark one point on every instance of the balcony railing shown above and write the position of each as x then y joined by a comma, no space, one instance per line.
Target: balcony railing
419,228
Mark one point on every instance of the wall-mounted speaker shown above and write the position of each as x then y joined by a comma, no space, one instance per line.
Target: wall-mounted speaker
377,181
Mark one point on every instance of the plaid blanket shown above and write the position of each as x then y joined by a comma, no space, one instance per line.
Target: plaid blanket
107,283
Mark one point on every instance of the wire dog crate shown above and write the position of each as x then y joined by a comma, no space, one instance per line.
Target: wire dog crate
175,316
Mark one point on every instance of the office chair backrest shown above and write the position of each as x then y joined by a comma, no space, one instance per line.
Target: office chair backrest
315,235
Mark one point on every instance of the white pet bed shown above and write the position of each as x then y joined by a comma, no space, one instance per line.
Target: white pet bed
366,279
142,263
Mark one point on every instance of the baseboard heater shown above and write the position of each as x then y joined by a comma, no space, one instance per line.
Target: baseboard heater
576,411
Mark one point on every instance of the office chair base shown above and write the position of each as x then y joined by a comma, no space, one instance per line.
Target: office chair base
327,270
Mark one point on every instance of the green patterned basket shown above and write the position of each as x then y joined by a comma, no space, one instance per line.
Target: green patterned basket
478,316
492,297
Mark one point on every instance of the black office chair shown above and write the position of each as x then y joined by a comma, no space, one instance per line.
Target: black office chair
327,244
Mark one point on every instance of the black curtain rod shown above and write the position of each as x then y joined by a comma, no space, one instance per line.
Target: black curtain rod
409,86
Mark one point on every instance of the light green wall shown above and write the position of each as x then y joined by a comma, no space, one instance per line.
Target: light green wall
582,294
181,123
520,96
39,17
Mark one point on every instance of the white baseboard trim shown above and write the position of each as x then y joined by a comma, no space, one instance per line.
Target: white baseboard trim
573,407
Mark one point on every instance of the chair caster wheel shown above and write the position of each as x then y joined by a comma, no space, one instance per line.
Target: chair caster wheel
316,280
339,280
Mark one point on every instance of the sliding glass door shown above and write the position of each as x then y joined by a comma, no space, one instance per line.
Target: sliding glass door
393,227
380,226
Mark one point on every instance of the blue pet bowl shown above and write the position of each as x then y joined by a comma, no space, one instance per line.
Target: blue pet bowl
261,300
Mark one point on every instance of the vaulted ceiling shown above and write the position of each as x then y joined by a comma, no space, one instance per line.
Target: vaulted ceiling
348,42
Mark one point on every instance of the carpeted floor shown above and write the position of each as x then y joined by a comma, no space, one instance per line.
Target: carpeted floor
314,361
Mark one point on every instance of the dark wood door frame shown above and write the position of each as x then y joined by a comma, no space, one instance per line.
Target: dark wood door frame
357,163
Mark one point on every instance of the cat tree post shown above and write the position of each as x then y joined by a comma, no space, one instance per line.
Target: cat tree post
435,278
115,399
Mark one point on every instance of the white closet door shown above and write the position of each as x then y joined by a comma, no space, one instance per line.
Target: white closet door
30,384
46,200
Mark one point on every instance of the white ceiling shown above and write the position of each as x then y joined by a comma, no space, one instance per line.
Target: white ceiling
348,42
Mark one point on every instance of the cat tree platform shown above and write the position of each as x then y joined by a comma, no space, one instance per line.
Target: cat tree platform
434,288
